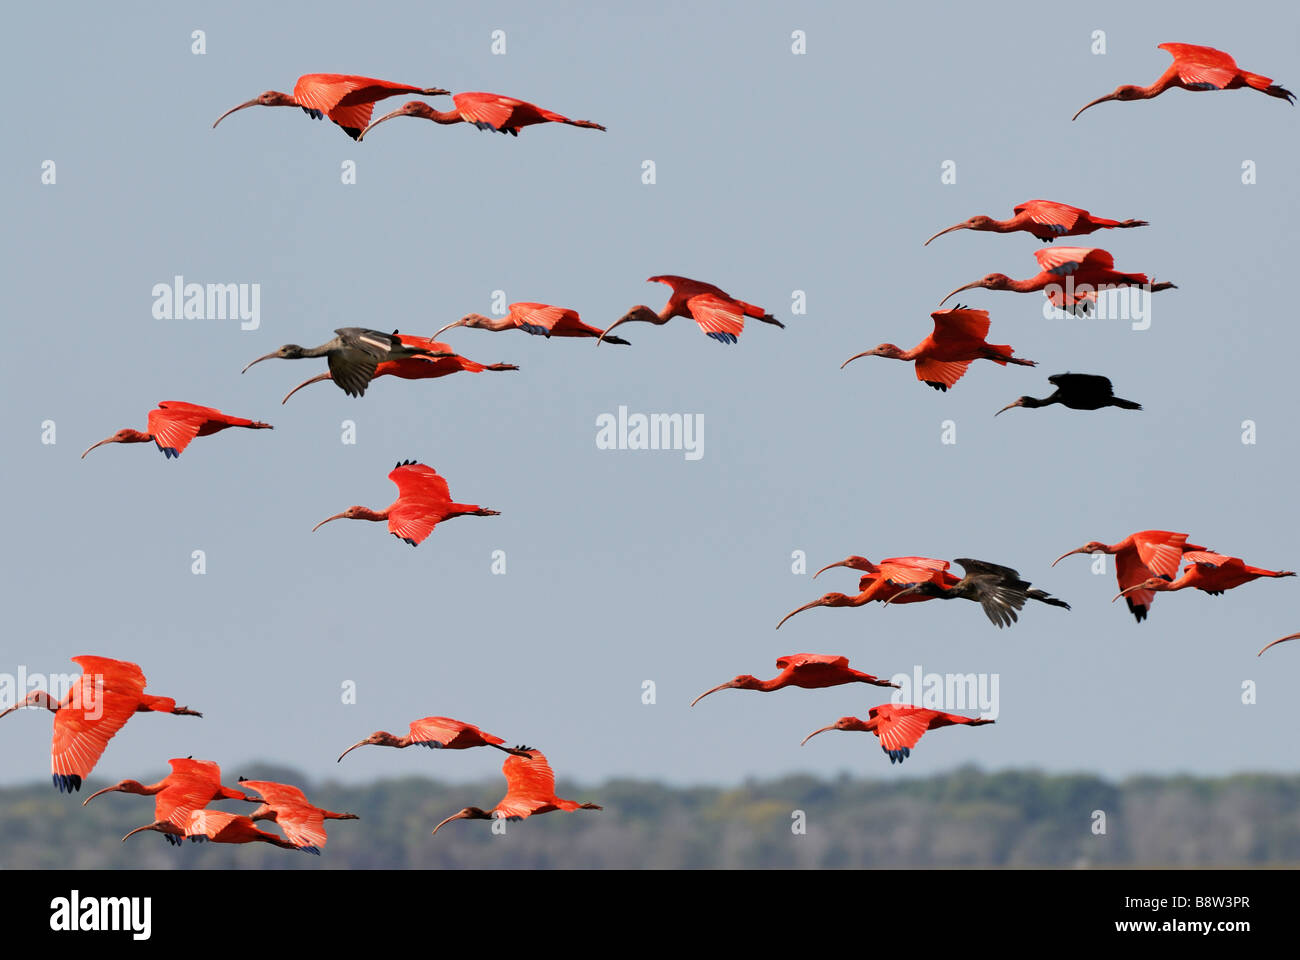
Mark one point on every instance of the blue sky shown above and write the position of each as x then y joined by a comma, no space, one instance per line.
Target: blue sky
774,173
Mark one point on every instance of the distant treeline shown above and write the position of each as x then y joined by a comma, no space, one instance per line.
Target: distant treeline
963,819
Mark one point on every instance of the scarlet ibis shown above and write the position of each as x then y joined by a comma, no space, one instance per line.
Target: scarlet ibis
423,501
1139,557
487,111
191,785
419,367
1090,269
302,821
539,319
175,423
999,590
1196,68
808,670
943,356
219,827
1046,220
720,315
1212,572
98,704
882,581
530,789
899,726
345,99
438,733
1078,391
1276,642
354,355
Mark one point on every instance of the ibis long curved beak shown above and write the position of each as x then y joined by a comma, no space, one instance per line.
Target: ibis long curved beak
901,593
814,733
455,816
10,710
841,563
721,686
864,353
374,123
337,516
604,333
819,602
1016,403
83,457
250,103
359,743
273,353
147,826
959,226
1276,642
455,323
97,793
1109,96
1129,590
316,379
970,286
1064,555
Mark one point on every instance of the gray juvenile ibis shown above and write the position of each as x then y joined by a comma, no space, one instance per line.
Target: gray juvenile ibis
999,590
1078,391
353,355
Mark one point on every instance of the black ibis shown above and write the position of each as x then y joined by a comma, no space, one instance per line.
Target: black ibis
1078,391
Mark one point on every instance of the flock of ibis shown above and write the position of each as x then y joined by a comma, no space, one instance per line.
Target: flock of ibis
109,691
1147,562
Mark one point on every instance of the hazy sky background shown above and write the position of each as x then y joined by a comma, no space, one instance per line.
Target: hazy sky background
775,173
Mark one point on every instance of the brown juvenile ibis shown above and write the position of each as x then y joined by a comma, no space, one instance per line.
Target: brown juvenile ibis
999,590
